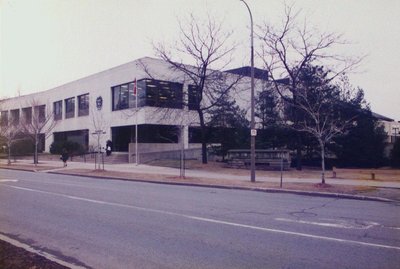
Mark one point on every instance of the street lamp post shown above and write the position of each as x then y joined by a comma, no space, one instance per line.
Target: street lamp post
253,131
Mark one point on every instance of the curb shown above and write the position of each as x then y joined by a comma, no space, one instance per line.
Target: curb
268,190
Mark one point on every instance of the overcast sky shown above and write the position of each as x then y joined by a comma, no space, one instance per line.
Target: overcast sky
47,43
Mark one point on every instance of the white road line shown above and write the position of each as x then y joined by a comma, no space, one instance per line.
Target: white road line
334,223
211,220
8,180
39,252
60,183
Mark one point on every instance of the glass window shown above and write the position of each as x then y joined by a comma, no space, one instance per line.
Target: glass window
124,96
70,107
163,93
83,105
57,106
14,116
131,95
40,113
27,115
4,118
194,97
115,99
150,92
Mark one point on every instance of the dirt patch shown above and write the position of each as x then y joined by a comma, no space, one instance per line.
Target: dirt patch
381,174
12,257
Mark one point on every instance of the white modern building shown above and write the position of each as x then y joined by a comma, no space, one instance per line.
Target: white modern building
103,107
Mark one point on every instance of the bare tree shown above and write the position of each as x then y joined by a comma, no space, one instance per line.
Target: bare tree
37,121
321,104
10,133
99,124
206,44
287,49
291,47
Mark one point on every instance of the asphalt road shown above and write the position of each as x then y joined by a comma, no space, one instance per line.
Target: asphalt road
118,224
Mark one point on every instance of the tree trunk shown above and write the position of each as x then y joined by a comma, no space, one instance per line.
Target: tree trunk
9,154
322,162
35,159
203,137
299,158
299,153
182,161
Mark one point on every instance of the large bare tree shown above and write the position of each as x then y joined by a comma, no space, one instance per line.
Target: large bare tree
293,46
288,48
207,46
37,121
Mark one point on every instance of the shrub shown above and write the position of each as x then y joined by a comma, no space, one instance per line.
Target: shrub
22,147
73,148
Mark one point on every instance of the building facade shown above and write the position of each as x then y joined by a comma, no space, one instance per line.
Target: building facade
144,97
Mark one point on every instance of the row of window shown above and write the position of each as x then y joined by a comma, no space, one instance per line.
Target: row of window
149,92
154,93
29,116
69,103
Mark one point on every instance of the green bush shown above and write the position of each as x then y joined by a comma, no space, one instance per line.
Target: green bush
23,147
72,148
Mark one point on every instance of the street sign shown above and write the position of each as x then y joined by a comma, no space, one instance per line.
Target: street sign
253,132
99,132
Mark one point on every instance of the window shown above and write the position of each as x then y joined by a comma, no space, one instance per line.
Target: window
40,113
4,118
124,95
83,105
70,107
14,116
194,97
150,92
27,115
57,109
163,93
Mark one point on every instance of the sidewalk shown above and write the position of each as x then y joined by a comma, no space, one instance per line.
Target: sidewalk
293,181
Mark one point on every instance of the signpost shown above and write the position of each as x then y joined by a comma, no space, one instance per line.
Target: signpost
98,133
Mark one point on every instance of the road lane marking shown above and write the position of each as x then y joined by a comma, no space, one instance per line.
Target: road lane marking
39,252
334,223
52,182
8,180
208,220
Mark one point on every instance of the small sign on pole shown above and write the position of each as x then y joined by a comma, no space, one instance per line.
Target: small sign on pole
253,132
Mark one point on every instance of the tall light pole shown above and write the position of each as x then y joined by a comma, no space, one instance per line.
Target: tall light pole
253,131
